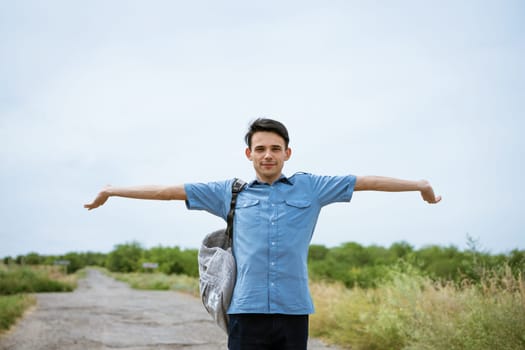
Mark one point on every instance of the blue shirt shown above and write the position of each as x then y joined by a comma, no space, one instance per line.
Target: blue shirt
273,227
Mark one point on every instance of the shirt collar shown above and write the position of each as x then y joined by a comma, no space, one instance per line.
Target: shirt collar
282,179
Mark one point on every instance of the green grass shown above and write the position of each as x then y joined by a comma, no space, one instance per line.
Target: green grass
159,281
12,307
412,312
16,280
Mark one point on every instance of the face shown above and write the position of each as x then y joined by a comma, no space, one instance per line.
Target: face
268,154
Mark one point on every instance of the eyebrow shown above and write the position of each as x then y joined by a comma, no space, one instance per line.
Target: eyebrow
271,146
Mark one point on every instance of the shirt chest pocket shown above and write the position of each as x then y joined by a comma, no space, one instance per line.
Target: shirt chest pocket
298,203
298,216
246,204
297,211
247,214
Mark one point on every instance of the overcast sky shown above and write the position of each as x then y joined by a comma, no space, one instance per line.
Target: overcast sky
161,92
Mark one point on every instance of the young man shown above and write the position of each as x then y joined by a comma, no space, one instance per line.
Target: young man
274,222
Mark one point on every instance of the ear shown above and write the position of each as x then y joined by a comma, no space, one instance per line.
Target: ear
248,153
288,152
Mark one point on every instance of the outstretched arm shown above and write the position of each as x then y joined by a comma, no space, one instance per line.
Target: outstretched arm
388,184
138,192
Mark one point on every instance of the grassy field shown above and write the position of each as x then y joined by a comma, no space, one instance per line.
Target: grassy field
412,312
159,281
16,282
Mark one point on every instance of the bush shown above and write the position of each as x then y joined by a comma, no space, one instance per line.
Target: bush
173,260
410,311
16,280
125,257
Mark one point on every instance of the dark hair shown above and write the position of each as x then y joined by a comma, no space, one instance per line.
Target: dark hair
269,125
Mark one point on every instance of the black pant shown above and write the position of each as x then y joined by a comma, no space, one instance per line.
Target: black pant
267,331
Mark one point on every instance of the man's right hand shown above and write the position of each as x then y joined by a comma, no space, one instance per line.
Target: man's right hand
99,200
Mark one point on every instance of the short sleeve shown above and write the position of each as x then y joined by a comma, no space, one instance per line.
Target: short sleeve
332,189
211,197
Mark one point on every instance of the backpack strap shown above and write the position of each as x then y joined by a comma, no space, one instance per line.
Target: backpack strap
237,187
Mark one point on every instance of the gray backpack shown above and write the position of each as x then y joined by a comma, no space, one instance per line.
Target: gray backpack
217,269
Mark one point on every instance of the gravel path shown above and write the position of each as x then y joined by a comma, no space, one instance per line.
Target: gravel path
106,314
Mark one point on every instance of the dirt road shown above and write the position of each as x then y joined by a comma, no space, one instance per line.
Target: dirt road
105,314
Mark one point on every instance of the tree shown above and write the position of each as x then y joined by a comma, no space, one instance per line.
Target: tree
125,257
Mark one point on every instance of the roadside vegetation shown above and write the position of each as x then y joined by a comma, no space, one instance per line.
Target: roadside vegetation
366,297
159,281
12,307
34,279
410,311
16,282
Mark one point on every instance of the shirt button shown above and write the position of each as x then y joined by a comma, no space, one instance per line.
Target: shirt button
273,243
273,263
